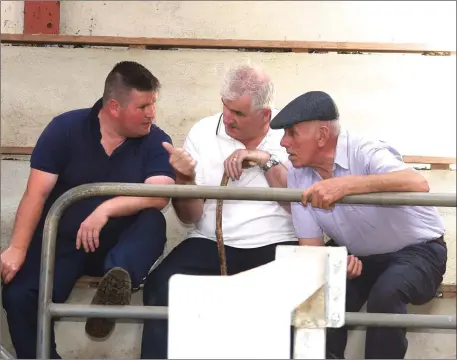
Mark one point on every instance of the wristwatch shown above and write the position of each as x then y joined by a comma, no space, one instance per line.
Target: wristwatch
273,161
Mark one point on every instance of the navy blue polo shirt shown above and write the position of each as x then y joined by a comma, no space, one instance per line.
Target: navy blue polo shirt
70,146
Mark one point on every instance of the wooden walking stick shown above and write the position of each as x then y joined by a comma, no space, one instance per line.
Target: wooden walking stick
219,234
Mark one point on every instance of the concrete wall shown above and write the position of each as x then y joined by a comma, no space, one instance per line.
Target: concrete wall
375,92
408,100
382,95
375,21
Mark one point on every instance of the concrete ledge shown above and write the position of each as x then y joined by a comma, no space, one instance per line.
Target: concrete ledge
125,341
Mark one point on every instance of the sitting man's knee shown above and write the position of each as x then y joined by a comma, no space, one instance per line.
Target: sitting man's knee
153,212
16,297
386,300
152,216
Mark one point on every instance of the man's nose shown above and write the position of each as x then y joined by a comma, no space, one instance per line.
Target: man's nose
227,118
150,112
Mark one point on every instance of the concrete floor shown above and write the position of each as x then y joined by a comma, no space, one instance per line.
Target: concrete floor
125,341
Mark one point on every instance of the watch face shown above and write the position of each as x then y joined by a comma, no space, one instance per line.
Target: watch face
274,160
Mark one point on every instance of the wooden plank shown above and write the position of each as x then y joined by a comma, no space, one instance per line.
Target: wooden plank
16,150
447,291
435,161
440,166
412,159
301,46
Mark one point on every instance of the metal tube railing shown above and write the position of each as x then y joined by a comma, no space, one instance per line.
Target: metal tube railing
161,312
179,191
4,354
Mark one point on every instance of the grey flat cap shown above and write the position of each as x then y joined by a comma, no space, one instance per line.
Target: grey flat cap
313,105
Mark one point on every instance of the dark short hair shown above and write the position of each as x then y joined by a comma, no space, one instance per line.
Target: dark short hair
126,76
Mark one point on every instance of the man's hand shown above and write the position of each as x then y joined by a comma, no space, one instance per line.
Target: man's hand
325,193
11,261
234,163
182,162
89,230
354,267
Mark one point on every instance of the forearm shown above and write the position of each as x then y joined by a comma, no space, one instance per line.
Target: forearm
130,205
187,210
277,178
397,181
27,217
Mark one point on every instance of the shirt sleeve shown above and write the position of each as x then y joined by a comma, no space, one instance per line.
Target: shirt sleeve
190,145
51,152
304,222
379,157
157,158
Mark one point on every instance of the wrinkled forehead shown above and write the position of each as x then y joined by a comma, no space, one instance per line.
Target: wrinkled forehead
241,103
141,98
304,126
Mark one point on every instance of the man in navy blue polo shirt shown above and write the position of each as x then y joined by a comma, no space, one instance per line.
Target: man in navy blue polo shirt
121,237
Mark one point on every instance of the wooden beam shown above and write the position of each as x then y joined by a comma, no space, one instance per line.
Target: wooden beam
16,150
302,46
409,159
429,160
447,291
41,17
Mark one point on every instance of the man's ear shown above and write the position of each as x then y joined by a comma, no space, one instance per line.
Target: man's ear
113,107
267,114
324,134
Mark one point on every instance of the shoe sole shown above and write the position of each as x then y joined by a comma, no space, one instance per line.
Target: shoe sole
114,289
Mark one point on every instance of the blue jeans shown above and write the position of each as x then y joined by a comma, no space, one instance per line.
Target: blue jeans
133,243
388,283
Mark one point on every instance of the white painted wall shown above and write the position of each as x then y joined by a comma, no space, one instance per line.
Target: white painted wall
371,21
381,95
12,17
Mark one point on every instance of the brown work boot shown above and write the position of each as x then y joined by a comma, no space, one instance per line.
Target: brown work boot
115,289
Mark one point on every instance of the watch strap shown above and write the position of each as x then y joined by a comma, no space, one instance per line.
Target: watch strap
272,161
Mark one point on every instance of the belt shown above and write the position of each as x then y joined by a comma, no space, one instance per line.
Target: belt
440,241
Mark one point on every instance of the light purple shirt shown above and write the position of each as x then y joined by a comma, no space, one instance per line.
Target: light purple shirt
363,229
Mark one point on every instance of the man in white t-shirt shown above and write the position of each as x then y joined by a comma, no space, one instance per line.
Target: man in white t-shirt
251,229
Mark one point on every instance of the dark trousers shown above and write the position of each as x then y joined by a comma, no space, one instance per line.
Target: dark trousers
133,243
388,283
194,256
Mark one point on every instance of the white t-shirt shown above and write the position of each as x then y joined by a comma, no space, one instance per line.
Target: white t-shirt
245,224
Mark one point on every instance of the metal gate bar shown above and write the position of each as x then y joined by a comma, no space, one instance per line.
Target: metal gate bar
180,191
4,354
161,312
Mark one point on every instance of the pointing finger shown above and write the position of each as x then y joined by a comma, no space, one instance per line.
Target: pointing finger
167,146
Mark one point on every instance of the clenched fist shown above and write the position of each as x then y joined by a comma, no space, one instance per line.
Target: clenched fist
182,162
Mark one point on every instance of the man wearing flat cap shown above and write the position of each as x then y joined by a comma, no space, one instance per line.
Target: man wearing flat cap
397,253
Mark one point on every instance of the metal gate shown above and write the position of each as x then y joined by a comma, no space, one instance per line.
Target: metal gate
47,309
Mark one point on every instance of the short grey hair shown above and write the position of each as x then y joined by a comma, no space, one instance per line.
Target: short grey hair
333,126
249,79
